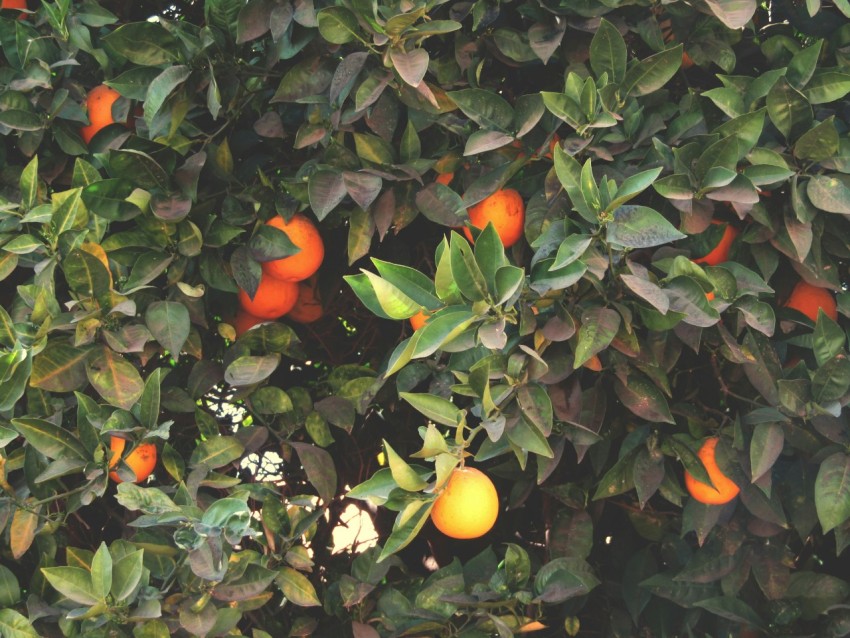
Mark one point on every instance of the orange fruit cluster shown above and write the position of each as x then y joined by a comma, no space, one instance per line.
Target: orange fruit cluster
468,505
506,210
279,292
808,299
724,489
141,460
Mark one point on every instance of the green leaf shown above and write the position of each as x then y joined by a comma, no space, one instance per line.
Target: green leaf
126,575
608,52
435,408
640,227
830,193
765,447
144,43
149,402
735,14
10,591
599,326
789,110
249,370
465,270
827,339
643,398
827,86
732,609
296,588
306,79
337,25
485,108
407,525
442,205
115,379
818,143
72,582
101,572
217,452
320,469
15,625
403,474
652,73
832,491
149,500
832,380
60,367
51,440
381,297
161,87
326,189
169,323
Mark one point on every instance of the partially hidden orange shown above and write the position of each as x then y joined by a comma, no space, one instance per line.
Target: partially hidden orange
99,106
808,299
307,308
13,4
467,506
418,320
506,210
724,489
142,459
244,321
304,234
273,299
445,178
720,253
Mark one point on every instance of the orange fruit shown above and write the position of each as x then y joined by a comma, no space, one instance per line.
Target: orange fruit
445,178
506,210
306,261
687,61
13,4
720,253
807,299
418,320
99,105
709,295
141,460
307,308
274,298
724,489
556,139
467,506
244,321
594,363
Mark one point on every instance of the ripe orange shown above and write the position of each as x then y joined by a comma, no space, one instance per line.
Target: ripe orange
594,363
141,460
274,298
467,506
807,299
556,139
305,262
720,253
724,489
506,210
418,320
244,321
709,295
13,4
445,178
687,61
99,105
307,308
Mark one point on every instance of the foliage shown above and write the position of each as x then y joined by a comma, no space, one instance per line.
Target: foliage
581,369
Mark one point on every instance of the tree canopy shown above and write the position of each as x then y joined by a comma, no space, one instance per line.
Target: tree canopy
679,275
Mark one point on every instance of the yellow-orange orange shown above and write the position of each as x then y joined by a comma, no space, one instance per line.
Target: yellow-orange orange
594,363
724,489
306,261
244,321
506,210
467,506
99,106
142,459
808,299
274,298
307,308
720,253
